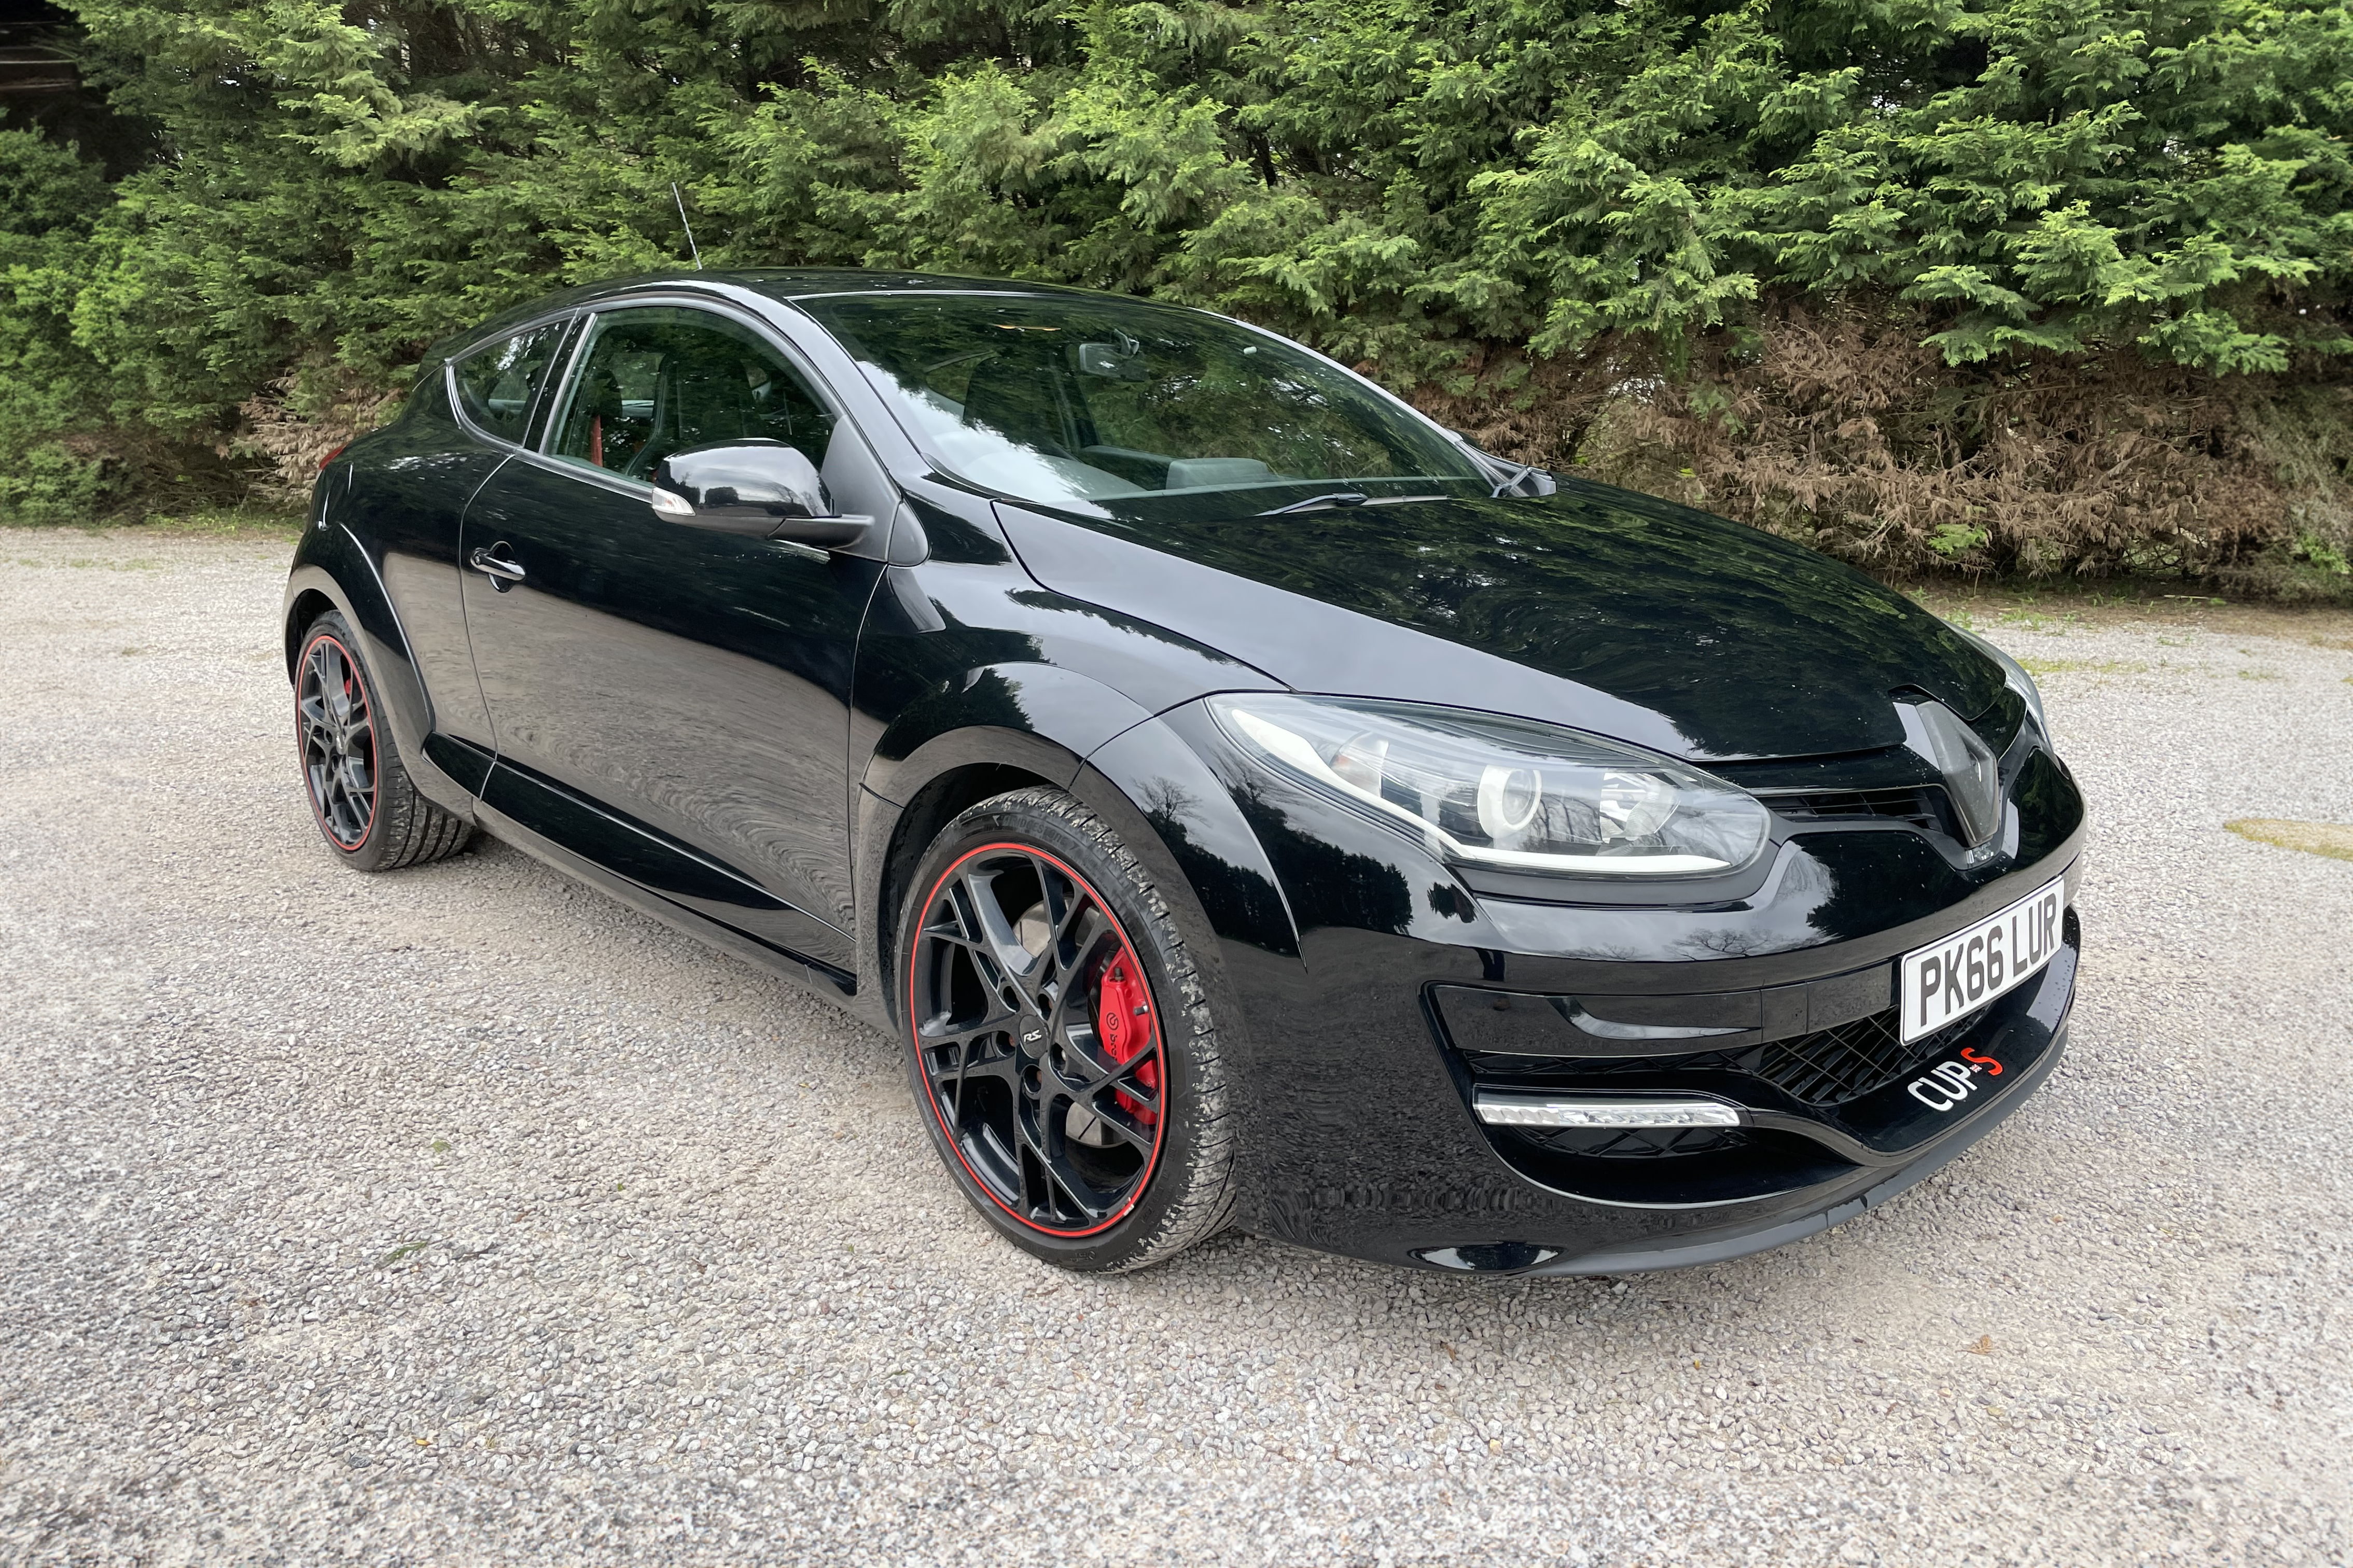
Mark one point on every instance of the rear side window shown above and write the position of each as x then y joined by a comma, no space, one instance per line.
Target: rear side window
497,383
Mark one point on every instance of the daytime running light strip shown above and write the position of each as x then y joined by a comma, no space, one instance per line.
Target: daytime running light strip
1502,1111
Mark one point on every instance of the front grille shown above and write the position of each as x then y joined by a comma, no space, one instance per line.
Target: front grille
1637,1143
1827,1067
1923,806
1831,1067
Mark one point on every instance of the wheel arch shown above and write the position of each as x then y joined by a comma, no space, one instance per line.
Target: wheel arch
303,607
332,572
1117,778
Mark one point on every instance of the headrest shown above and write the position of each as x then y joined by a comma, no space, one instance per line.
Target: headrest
1191,473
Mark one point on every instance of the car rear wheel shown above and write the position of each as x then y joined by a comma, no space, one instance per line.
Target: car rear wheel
1060,1041
367,810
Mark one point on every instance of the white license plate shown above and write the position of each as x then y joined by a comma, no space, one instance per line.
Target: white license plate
1958,975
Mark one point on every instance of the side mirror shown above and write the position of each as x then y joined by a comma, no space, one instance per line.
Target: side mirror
761,488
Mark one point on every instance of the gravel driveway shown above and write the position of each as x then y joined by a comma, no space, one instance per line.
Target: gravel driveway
461,1215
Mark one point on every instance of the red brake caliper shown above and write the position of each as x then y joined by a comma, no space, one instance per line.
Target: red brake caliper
1123,1025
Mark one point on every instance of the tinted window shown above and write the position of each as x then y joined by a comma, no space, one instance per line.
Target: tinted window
497,383
662,378
1060,399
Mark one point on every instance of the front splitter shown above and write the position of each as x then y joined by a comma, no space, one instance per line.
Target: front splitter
1721,1247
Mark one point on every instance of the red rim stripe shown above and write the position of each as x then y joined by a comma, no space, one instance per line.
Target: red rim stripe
1128,951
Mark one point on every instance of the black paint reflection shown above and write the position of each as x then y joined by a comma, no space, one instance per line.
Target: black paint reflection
2050,808
1190,809
405,502
1747,644
696,681
1329,885
1237,898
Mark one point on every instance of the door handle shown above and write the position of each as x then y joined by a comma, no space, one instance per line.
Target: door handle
502,572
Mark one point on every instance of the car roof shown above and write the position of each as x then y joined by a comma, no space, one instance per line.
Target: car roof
785,284
806,283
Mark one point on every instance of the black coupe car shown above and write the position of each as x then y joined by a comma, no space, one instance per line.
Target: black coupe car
1244,799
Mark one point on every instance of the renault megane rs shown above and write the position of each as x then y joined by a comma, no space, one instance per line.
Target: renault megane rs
1243,799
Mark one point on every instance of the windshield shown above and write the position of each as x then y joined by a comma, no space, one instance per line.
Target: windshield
1106,406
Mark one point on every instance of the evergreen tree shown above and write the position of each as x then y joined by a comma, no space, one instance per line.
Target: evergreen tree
1554,219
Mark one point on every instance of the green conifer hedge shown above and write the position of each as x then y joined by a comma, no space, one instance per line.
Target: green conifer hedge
2017,285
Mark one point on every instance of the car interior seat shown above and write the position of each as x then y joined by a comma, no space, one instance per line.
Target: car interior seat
1024,399
698,400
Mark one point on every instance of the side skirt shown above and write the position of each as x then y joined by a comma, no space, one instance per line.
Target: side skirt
711,933
669,871
463,766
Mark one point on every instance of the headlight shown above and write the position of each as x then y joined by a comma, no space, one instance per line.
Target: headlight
2020,682
1506,793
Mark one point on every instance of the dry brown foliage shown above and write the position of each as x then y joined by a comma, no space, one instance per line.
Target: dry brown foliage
294,426
1839,430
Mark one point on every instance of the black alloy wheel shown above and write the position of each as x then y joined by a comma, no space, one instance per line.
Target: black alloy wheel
1037,1040
1055,1092
337,725
361,796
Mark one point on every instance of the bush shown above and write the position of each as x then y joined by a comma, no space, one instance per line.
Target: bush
50,397
50,482
1846,431
2024,286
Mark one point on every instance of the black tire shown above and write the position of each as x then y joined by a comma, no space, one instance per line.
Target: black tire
361,796
1039,1118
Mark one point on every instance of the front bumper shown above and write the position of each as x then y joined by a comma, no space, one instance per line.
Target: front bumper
1392,1162
1833,1086
1346,955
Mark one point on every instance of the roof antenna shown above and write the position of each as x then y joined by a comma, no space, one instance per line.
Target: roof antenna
690,227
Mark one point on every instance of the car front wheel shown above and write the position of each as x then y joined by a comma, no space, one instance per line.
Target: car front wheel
1060,1044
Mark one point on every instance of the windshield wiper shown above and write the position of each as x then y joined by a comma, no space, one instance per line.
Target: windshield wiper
1520,474
1348,498
1337,498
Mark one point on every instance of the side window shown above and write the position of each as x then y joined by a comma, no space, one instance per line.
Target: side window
662,378
497,383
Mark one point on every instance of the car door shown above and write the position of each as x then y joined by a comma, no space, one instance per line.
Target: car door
670,701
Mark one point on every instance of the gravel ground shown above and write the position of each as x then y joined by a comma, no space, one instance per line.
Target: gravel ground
463,1216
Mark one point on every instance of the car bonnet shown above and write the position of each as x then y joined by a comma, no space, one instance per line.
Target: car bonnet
1595,608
